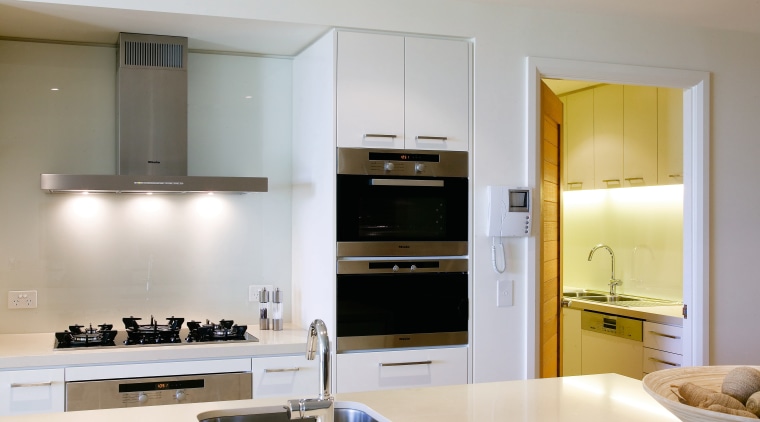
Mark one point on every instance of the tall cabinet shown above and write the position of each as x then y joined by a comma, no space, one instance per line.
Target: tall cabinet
369,90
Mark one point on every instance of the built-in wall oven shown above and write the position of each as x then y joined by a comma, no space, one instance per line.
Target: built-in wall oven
405,302
401,202
402,246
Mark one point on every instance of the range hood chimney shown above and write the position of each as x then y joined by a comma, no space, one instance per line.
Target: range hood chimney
152,127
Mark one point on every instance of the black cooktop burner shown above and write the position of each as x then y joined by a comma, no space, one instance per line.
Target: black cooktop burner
152,333
76,336
223,331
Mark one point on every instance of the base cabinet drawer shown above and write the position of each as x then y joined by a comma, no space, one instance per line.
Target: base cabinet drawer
655,360
366,371
667,338
31,391
285,376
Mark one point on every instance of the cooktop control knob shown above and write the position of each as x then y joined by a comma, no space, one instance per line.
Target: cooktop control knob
395,268
419,167
142,397
180,395
413,267
388,166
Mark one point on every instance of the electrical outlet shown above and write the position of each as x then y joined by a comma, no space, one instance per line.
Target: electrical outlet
504,293
22,299
253,291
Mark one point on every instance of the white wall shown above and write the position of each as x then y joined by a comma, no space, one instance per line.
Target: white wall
503,37
98,258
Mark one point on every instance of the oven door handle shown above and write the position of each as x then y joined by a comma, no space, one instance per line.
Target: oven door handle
407,182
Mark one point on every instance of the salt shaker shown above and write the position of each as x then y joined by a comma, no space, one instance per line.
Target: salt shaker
277,309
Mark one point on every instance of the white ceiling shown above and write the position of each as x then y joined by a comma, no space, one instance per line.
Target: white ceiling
40,20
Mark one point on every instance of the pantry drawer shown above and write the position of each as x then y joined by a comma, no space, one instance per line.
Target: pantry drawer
667,338
366,371
655,360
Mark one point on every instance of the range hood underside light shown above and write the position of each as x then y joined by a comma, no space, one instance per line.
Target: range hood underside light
64,183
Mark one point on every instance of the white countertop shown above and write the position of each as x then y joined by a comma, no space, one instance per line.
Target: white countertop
589,398
23,351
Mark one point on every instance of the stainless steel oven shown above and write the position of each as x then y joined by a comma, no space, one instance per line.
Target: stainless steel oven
401,203
405,302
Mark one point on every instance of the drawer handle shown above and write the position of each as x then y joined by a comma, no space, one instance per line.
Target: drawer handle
31,384
676,175
665,335
431,138
630,179
664,362
422,362
296,369
575,183
611,181
378,135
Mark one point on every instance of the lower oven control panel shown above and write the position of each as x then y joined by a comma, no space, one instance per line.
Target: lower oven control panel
118,393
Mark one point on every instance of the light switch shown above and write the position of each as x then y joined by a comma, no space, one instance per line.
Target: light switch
504,293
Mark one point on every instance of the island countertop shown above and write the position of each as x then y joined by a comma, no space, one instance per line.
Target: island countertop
588,398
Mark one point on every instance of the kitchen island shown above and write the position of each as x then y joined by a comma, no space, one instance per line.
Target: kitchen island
589,398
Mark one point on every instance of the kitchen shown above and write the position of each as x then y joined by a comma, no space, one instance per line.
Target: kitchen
494,357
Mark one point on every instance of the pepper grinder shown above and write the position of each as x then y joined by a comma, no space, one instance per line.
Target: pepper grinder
277,309
264,309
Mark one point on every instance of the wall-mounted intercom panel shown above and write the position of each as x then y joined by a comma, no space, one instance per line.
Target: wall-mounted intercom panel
509,211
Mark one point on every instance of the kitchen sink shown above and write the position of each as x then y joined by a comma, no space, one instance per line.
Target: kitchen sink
279,414
618,300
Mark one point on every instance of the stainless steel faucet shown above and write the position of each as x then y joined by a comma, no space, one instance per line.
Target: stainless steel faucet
321,408
613,281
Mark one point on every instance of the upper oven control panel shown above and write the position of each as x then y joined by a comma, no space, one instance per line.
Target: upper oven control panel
387,162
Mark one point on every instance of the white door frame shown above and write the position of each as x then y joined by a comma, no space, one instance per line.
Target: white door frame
696,150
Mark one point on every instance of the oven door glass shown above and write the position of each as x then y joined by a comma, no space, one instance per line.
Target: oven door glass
401,310
401,209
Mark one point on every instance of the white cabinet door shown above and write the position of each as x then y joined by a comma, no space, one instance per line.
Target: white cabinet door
31,391
579,140
640,136
285,376
608,136
370,90
436,94
368,371
669,136
571,342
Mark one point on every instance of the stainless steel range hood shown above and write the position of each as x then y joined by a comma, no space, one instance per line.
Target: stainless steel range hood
152,127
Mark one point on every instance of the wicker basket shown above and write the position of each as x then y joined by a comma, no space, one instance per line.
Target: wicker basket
658,385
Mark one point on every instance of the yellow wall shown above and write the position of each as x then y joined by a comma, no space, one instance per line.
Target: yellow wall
643,226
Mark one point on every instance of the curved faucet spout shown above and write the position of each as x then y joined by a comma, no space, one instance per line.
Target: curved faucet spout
613,281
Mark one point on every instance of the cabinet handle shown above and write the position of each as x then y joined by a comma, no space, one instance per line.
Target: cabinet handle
575,183
296,369
611,181
630,179
378,135
31,384
665,335
664,362
422,362
431,138
676,175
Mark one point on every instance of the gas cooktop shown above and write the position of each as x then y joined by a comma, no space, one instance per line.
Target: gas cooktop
153,333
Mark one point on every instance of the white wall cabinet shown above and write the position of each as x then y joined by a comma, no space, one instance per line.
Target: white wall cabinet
402,92
382,370
663,345
31,391
623,136
285,376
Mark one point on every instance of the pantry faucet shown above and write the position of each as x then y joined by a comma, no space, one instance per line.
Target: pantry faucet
321,408
613,281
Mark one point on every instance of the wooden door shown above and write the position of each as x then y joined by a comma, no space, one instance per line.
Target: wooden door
549,279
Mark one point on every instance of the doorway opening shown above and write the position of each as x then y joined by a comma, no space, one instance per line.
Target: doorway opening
695,88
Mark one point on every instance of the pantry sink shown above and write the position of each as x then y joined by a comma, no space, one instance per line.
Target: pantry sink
617,300
344,412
